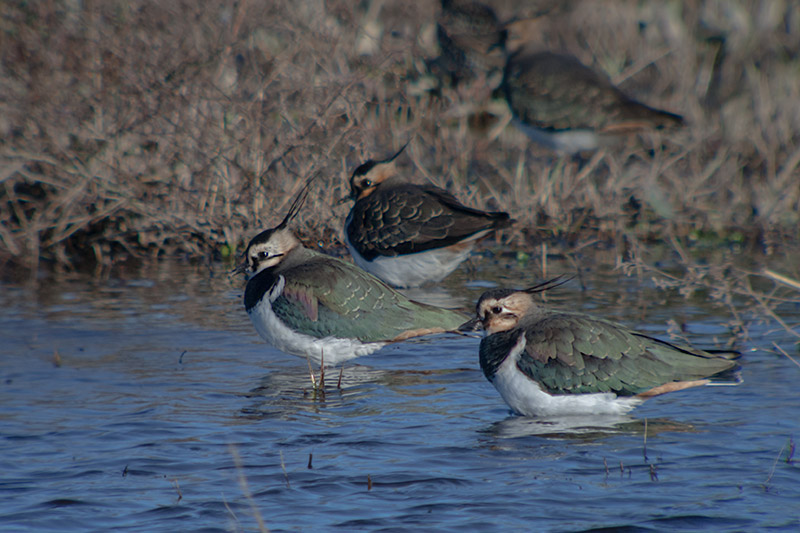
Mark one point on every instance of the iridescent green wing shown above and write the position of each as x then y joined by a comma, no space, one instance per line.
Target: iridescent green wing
572,353
329,297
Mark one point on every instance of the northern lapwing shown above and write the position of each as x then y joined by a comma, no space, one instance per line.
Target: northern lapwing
313,305
568,107
552,363
408,234
471,40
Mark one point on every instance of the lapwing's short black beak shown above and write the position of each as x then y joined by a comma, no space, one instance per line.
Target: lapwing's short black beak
342,200
471,325
241,268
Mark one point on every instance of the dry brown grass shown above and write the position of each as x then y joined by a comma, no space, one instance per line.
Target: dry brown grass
144,129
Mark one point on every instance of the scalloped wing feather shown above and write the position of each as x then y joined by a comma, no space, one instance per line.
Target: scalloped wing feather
406,218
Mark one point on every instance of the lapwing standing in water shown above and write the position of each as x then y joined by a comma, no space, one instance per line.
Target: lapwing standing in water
409,234
552,363
566,106
310,304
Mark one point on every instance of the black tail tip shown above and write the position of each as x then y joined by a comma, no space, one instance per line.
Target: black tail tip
503,220
670,120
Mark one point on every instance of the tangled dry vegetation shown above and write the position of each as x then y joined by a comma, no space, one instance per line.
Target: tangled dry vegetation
148,129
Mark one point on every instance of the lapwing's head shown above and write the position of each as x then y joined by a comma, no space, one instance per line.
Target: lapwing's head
502,309
499,310
270,247
267,249
369,175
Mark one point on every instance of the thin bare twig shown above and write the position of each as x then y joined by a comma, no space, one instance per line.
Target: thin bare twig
768,310
789,357
781,278
237,461
767,481
285,473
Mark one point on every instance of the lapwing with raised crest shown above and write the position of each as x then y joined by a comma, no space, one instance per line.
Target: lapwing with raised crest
548,363
313,305
408,234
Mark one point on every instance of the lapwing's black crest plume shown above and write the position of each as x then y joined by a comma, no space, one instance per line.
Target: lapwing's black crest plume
365,167
267,234
298,203
400,151
550,284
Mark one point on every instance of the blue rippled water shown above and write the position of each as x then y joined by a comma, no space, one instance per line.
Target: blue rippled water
150,404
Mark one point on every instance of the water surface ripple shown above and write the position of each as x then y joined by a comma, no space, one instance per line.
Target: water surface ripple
150,404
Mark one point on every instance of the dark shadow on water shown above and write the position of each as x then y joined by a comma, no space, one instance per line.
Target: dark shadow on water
291,391
619,529
288,392
583,428
681,523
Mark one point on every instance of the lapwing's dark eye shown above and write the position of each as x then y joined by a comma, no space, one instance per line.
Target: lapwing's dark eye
366,183
262,255
496,310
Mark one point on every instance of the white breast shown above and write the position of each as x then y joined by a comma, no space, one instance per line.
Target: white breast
334,350
412,270
568,141
526,397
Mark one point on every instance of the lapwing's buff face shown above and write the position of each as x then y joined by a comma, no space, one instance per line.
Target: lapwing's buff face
369,175
268,249
501,309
